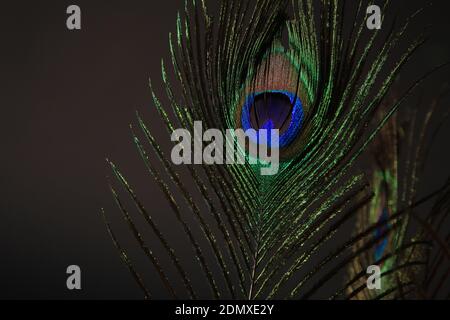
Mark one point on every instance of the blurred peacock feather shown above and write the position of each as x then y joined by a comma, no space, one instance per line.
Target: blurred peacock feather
314,71
402,257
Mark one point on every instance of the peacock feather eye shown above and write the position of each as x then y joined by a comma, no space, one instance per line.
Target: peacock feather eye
274,109
275,98
382,207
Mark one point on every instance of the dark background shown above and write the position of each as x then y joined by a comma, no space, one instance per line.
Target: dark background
66,100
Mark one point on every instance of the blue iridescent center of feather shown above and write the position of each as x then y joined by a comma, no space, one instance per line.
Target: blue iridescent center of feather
382,241
274,109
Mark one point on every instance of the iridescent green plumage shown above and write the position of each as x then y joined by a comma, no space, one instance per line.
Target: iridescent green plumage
263,231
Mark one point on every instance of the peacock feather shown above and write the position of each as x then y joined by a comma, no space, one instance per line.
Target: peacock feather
401,255
312,70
